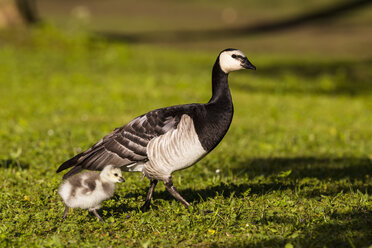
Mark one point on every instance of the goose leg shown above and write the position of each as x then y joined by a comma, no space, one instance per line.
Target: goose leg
146,206
169,185
65,213
97,215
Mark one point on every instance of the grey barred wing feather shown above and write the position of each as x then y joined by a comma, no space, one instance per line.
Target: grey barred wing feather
125,146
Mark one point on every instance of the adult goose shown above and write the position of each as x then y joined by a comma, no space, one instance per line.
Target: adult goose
168,139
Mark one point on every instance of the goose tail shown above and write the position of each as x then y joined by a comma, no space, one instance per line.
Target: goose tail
69,163
73,171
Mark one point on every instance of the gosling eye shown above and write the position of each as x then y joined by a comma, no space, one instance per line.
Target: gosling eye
234,56
116,174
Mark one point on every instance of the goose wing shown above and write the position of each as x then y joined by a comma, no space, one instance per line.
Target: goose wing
125,145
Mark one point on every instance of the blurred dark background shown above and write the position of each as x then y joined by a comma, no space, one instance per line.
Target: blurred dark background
338,28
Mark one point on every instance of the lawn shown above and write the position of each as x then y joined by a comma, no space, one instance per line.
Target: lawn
294,169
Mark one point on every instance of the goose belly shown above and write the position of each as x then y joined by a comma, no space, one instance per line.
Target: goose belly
174,150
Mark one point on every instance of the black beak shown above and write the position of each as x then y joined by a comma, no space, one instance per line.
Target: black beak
248,65
121,179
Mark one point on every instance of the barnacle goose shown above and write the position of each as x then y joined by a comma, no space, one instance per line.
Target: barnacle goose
168,139
87,190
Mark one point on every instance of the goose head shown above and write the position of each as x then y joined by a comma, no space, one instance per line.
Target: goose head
112,174
233,59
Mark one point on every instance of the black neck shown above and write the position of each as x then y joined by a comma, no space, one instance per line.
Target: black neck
220,87
212,126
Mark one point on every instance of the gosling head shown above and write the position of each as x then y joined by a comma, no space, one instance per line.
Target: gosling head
233,59
112,174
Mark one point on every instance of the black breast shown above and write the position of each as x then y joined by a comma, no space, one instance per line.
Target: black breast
212,125
211,120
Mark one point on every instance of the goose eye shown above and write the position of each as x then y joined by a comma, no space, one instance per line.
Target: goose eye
116,174
234,56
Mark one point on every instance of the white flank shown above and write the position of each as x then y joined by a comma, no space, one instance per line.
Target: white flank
65,190
174,150
228,63
134,167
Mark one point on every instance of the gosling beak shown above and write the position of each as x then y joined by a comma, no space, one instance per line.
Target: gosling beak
121,179
248,65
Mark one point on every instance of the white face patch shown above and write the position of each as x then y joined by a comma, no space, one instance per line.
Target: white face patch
111,174
228,63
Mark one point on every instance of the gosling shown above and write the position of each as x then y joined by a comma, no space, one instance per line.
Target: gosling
87,190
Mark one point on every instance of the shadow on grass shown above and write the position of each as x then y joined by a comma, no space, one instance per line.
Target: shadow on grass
226,190
117,211
323,169
350,229
348,77
12,163
313,167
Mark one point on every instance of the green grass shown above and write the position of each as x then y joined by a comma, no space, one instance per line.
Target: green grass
294,168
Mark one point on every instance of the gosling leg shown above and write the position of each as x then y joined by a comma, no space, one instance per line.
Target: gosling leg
65,213
97,215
